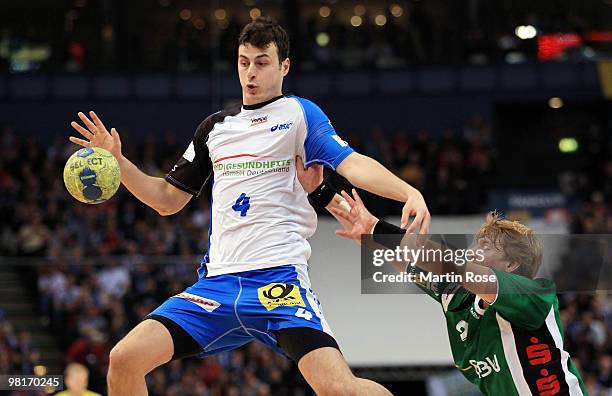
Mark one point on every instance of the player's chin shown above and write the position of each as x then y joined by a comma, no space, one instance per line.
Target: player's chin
253,94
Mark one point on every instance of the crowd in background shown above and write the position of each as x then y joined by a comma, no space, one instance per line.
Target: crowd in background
188,36
89,305
17,352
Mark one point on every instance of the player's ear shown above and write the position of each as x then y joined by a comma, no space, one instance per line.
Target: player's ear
285,66
512,266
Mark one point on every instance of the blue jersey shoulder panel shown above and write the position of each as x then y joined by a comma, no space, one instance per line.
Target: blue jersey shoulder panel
322,144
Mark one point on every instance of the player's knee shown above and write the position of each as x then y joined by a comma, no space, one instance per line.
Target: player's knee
121,359
345,386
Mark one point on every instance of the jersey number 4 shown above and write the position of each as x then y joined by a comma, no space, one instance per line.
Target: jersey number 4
242,204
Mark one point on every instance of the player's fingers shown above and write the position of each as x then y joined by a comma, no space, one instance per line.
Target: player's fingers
90,125
81,130
299,162
357,198
78,141
337,200
424,227
415,223
350,199
97,121
344,205
342,214
115,135
344,234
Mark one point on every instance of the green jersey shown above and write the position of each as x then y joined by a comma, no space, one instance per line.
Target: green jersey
514,346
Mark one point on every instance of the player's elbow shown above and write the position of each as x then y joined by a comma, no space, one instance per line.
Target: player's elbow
163,211
168,210
171,200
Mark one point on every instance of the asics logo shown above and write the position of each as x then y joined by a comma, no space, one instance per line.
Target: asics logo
281,127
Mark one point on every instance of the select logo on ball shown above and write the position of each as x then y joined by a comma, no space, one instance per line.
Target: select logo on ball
84,152
92,175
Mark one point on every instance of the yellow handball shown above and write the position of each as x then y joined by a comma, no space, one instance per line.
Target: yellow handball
92,175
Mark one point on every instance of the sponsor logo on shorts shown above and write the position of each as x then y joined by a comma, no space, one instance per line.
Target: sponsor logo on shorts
259,120
205,303
280,295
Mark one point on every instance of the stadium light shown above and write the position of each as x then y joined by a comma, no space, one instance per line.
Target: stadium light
254,13
356,20
359,10
396,10
380,20
568,145
199,24
555,103
220,14
322,39
324,11
525,32
185,14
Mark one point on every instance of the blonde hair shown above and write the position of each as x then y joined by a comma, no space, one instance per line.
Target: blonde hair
76,367
519,242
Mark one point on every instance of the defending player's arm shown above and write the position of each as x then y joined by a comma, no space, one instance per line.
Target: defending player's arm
522,301
323,145
363,222
155,192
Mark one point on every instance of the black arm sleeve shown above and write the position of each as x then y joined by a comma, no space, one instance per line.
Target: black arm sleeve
194,168
382,232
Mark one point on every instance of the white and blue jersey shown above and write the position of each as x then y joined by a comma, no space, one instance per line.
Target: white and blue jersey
260,215
254,281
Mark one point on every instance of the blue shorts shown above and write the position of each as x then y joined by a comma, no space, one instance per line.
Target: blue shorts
226,311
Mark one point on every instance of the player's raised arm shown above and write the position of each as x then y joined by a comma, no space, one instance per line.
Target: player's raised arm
368,174
155,192
323,145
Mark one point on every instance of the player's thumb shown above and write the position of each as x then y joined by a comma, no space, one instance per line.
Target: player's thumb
344,234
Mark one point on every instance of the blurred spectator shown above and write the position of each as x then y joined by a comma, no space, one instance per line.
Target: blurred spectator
76,378
17,354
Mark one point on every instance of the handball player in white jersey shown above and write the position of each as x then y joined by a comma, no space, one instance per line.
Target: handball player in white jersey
253,282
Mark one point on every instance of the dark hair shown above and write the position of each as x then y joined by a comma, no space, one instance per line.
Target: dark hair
263,31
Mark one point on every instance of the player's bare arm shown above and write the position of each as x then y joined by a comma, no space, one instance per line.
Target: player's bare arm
153,191
368,174
361,221
310,178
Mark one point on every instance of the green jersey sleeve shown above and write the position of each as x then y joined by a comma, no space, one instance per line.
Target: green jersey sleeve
522,301
434,290
441,291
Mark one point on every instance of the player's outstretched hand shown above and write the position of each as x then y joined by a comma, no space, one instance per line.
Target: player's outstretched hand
358,220
416,206
309,178
96,134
